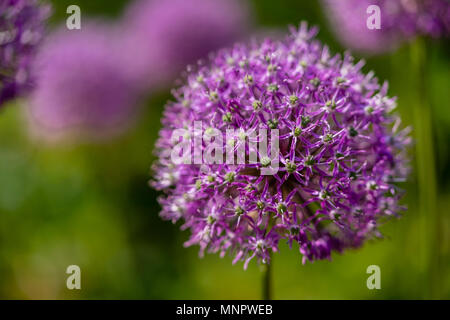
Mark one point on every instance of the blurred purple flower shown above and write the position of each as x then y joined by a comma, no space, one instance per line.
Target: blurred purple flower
21,30
401,20
341,151
83,90
166,35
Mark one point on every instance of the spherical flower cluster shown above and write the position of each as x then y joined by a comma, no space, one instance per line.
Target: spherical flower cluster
400,21
165,36
21,30
82,89
341,151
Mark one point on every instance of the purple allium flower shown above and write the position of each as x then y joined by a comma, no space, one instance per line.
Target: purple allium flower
83,90
166,35
341,151
21,30
401,20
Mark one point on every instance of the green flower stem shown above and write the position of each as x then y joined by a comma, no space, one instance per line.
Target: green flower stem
267,281
425,166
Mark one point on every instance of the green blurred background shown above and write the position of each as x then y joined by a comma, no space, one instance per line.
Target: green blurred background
91,205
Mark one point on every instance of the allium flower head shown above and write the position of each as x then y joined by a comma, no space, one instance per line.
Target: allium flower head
401,20
340,151
21,30
83,90
166,35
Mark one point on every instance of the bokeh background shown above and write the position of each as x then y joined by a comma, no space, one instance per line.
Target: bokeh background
89,204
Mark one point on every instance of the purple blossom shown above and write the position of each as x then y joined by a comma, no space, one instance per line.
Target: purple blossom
401,20
163,36
82,89
341,151
21,30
